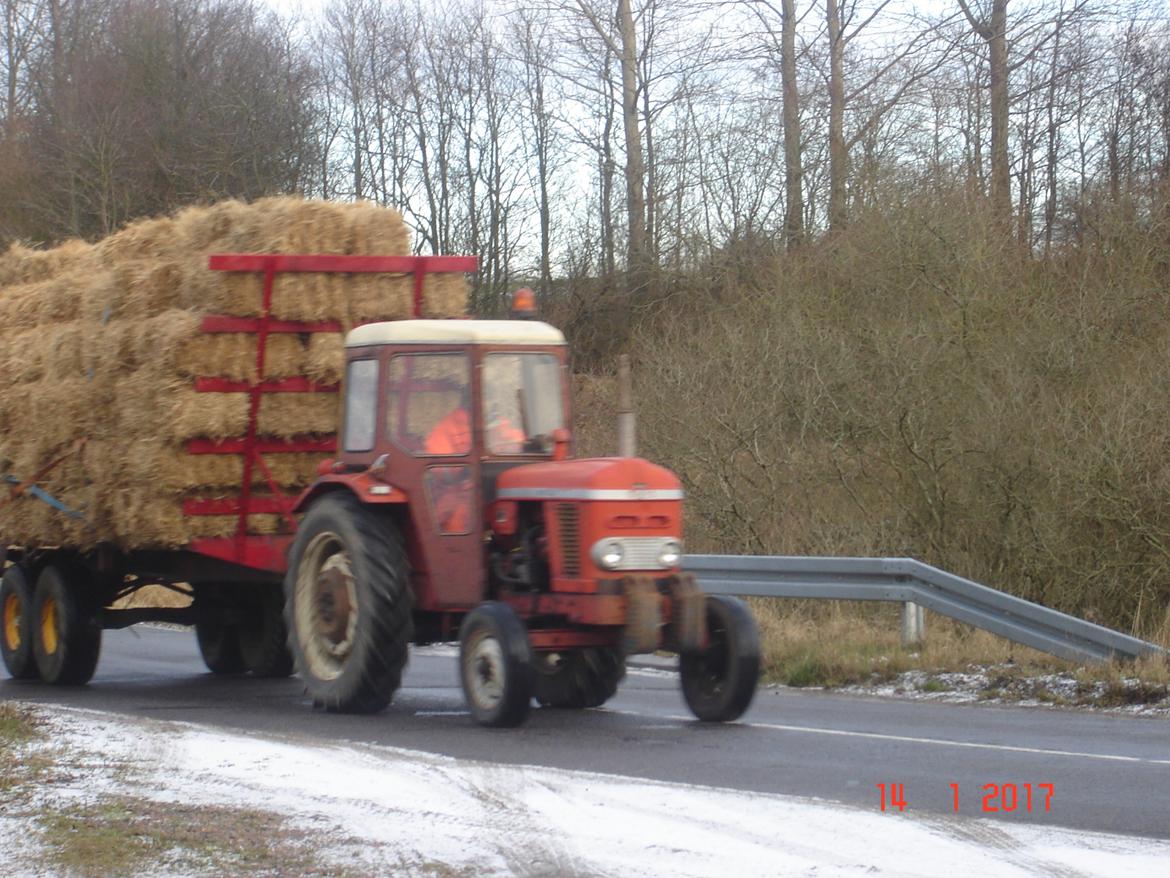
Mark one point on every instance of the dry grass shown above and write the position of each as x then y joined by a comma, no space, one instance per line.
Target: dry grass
125,834
834,643
18,769
830,643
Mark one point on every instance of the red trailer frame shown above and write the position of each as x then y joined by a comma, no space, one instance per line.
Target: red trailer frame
268,553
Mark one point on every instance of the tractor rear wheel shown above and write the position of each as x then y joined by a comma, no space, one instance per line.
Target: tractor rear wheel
67,637
263,637
496,667
16,612
348,604
719,681
579,678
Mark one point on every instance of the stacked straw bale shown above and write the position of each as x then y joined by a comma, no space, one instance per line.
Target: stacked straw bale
102,343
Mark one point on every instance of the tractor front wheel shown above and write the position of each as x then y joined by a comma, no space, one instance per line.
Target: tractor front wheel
348,604
579,678
16,638
496,665
67,637
719,681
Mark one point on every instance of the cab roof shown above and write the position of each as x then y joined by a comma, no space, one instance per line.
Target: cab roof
519,332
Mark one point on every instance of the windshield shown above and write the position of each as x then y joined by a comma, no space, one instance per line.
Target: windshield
522,402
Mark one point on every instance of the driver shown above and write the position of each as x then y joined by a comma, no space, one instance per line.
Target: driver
452,435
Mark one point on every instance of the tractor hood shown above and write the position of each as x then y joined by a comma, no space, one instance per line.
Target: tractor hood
603,478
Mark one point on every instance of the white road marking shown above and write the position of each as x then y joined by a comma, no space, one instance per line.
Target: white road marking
938,742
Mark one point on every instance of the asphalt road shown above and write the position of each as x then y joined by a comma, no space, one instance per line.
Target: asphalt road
1108,773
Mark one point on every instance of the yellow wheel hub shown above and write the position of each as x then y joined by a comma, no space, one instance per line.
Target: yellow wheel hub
49,626
12,611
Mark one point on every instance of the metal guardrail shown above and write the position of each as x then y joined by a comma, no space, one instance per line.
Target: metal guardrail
905,580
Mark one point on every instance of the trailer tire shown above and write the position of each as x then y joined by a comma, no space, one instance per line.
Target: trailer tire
496,668
263,640
219,647
348,604
719,681
16,638
581,678
67,635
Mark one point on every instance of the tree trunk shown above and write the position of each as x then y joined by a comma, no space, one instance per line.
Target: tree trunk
838,156
793,175
637,262
1001,184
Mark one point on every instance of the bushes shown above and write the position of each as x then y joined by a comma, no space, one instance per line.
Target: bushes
916,386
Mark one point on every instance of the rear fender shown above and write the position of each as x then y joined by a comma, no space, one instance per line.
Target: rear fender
362,485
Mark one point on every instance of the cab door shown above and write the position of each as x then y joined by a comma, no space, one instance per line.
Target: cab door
429,419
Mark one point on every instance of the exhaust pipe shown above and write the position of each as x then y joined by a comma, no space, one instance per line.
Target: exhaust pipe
627,442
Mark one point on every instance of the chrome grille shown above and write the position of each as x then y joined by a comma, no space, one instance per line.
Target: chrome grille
642,553
569,534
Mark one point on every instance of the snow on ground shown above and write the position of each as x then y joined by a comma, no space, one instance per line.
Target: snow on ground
402,812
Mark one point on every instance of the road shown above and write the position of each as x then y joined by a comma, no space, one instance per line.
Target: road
1108,773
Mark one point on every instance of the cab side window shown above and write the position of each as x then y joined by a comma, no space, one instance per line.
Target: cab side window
361,405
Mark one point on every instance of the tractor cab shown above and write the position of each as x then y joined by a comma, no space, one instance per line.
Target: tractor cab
454,486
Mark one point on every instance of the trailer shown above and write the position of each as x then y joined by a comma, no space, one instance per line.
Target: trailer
447,506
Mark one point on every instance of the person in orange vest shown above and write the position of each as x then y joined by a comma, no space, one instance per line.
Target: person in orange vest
452,435
504,437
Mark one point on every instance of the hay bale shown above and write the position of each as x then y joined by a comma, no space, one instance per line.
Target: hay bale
62,345
104,340
325,357
20,264
203,415
233,355
285,415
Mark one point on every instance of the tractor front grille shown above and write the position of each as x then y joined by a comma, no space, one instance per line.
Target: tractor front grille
569,536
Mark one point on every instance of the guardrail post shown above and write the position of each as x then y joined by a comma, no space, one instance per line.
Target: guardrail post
913,624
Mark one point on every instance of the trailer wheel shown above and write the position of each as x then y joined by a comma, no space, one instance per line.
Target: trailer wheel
348,605
579,678
719,681
67,636
219,647
495,665
16,639
263,639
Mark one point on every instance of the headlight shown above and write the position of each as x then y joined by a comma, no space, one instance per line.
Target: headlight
670,554
609,554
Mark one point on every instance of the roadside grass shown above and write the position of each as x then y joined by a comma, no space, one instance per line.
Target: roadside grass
18,766
49,789
125,834
834,644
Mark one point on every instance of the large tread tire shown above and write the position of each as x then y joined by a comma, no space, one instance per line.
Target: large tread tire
220,648
263,639
496,667
369,672
67,635
583,678
16,627
218,642
719,682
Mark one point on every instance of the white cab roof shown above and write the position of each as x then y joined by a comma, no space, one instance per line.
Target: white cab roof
519,332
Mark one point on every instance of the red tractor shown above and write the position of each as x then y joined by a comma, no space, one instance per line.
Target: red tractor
451,509
454,506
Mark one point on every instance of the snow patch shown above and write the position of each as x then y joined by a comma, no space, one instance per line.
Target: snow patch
403,811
